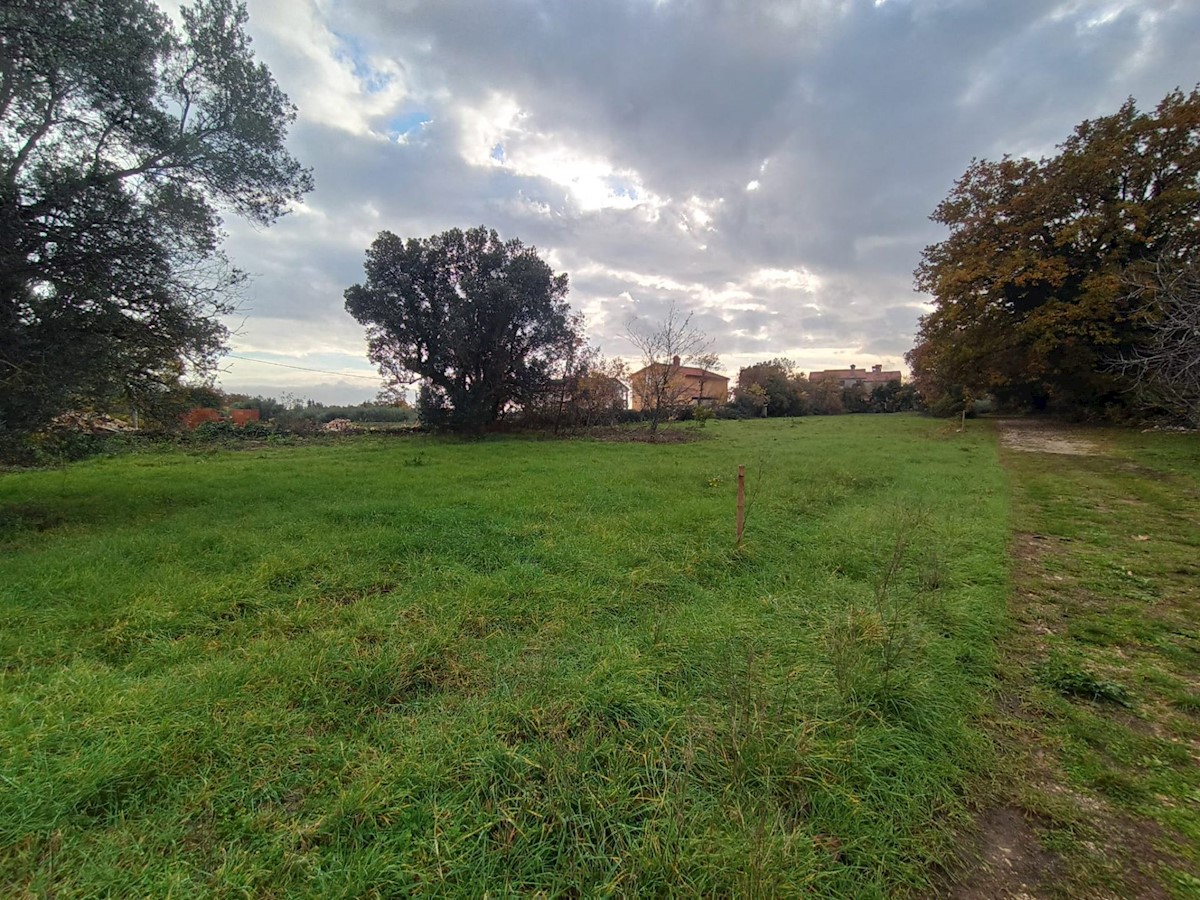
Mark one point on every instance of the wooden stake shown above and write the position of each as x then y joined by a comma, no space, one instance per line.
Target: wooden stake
741,503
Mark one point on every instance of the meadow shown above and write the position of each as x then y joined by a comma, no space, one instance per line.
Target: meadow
389,665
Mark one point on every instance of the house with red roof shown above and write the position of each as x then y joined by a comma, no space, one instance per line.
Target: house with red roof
684,385
856,376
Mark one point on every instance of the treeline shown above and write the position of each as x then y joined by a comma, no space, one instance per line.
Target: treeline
189,414
292,411
775,388
175,408
597,396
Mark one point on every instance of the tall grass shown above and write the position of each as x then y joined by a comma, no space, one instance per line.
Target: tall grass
517,666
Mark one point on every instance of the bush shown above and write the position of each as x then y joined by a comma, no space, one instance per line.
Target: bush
199,416
730,411
56,446
949,407
213,431
629,416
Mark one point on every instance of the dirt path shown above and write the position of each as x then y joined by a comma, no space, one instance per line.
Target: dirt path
1038,436
1095,715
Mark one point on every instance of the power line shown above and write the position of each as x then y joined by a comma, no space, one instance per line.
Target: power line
302,368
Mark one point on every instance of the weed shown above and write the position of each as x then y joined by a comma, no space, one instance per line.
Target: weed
931,572
871,644
1186,701
1069,677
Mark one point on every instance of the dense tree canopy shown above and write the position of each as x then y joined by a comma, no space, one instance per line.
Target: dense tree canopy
120,139
1031,288
480,321
771,388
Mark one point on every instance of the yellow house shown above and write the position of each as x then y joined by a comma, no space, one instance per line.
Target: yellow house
677,385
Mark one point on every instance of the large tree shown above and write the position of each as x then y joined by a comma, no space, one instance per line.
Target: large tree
770,388
479,321
1029,289
121,139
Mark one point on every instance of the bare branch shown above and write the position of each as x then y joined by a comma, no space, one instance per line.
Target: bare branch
1165,368
657,386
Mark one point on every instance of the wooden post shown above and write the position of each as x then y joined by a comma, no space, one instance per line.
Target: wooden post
741,503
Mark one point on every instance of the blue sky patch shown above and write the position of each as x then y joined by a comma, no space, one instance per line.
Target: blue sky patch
408,122
351,50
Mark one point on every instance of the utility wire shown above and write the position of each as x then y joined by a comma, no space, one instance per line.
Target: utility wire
302,368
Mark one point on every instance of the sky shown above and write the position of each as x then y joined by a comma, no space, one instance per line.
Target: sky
768,167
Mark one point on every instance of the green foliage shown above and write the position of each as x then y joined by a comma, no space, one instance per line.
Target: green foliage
771,388
321,413
950,403
526,667
774,388
1031,287
481,321
226,430
123,139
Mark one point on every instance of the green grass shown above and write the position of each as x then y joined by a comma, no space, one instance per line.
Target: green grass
392,665
1110,600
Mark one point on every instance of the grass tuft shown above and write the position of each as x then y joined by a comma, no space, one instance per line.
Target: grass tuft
1069,677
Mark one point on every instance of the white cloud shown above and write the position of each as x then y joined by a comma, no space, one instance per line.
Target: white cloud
786,279
332,81
499,133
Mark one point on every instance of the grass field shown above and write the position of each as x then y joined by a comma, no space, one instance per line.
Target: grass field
399,664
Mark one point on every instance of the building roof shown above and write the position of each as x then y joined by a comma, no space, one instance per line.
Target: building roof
692,371
855,374
700,373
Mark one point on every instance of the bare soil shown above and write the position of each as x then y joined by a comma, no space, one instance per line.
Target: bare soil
1037,436
1009,860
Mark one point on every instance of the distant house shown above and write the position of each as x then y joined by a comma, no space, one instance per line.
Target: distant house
606,390
595,390
855,376
688,385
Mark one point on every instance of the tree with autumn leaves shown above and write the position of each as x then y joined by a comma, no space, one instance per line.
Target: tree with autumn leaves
1047,281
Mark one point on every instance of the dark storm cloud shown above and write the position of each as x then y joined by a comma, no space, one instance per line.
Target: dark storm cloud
770,166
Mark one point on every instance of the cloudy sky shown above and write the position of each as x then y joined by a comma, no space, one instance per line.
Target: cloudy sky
768,166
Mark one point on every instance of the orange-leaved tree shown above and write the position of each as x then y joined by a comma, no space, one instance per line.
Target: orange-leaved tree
1031,303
